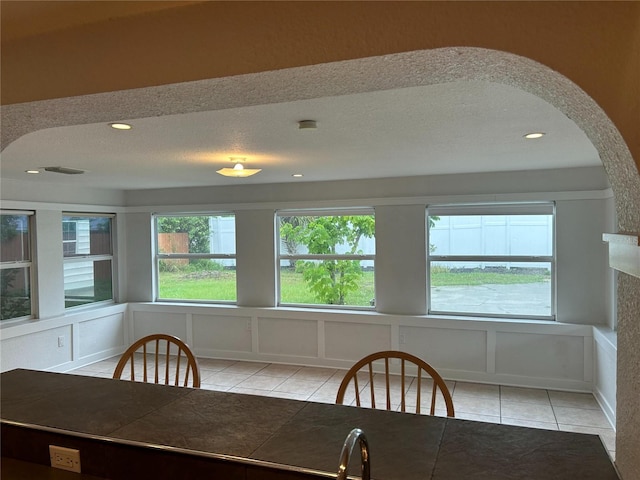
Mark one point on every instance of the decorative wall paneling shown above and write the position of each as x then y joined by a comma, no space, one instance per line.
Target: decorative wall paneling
63,343
528,353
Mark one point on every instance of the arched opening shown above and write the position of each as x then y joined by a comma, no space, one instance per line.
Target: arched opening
410,69
419,68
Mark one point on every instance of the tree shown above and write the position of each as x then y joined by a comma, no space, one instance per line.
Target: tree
8,227
330,280
289,231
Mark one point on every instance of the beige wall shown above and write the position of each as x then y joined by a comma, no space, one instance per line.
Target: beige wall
595,44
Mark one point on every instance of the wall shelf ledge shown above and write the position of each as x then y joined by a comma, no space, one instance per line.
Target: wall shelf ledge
624,252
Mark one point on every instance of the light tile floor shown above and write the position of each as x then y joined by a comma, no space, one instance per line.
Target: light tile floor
536,408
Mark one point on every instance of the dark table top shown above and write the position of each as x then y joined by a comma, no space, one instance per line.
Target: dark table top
296,434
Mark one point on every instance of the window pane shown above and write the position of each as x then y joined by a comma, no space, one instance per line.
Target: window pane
491,235
15,297
14,231
197,234
87,282
329,282
334,281
491,288
86,236
197,279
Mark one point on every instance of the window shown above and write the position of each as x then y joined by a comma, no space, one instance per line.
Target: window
87,246
196,257
15,264
327,258
493,260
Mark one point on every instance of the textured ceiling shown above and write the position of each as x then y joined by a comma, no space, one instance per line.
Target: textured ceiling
458,127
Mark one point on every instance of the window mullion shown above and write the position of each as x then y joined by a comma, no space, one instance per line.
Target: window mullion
491,258
213,256
327,257
16,264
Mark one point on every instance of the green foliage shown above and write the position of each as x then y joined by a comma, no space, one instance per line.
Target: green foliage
218,285
330,280
442,276
193,265
102,290
13,303
289,229
197,227
8,227
180,286
432,223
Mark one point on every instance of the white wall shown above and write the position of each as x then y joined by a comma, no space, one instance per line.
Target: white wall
401,259
581,217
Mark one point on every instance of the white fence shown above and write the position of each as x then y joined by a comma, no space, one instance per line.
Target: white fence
492,235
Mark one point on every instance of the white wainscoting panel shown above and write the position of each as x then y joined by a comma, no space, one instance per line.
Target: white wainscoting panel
519,353
540,355
28,351
221,333
87,335
147,323
447,348
102,334
352,341
289,337
605,363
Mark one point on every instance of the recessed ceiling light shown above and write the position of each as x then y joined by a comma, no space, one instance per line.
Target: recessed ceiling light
534,135
120,126
297,175
32,170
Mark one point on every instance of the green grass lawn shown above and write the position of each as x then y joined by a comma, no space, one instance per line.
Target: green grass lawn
448,279
221,286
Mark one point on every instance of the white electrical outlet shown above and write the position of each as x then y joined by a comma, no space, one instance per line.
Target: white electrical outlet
65,458
403,339
61,341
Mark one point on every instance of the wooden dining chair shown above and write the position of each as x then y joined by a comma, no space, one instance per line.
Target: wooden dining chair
415,376
160,358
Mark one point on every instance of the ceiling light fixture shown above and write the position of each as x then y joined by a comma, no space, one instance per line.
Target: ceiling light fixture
533,135
307,124
64,170
121,126
238,169
32,170
297,175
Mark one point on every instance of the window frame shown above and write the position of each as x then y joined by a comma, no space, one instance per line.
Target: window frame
21,264
175,256
78,258
507,209
280,256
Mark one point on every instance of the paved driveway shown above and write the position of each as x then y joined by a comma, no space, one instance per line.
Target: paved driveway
514,299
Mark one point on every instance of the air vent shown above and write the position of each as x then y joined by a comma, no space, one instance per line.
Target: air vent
64,170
